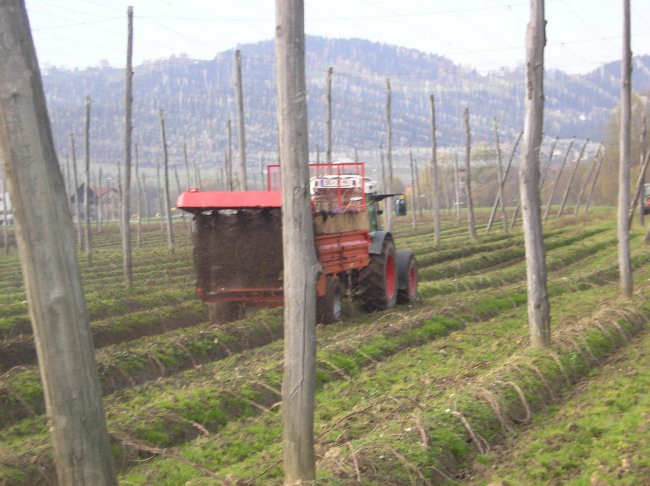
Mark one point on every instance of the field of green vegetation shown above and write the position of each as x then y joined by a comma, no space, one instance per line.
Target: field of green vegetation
445,390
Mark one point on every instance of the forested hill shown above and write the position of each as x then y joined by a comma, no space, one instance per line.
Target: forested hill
198,98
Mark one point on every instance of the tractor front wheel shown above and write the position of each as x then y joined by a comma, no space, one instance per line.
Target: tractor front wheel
378,281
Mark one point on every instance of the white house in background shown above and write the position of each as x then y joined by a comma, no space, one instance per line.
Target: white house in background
5,197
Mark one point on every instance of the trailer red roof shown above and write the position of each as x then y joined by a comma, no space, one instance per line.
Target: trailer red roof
195,199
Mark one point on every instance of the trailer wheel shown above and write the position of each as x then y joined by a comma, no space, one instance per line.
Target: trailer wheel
223,312
329,307
378,281
407,277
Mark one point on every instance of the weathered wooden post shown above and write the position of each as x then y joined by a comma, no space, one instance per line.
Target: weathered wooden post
77,205
435,179
412,188
168,213
241,131
328,115
388,205
497,199
624,264
504,215
644,147
585,183
87,190
5,216
468,179
128,130
229,181
539,317
301,267
457,187
45,235
557,179
593,183
138,196
570,183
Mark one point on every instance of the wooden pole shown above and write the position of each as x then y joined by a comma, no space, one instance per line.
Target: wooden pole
5,216
539,318
161,210
497,199
138,196
388,207
73,397
128,130
570,183
77,211
468,179
168,214
593,183
457,187
435,179
229,181
301,267
418,189
639,188
413,203
187,168
242,184
87,191
557,179
328,115
585,183
641,192
624,264
146,197
504,215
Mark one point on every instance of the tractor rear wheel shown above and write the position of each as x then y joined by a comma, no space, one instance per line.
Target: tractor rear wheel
378,281
407,277
329,307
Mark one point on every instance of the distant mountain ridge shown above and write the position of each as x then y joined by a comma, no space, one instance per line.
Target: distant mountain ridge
198,98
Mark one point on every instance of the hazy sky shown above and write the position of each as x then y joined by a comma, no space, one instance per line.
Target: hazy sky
484,34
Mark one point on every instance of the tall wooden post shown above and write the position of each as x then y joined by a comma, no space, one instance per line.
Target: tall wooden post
82,452
328,115
497,199
624,264
87,190
570,183
145,193
5,216
457,187
159,191
413,203
242,179
585,183
301,267
229,181
504,216
644,148
557,179
187,168
168,213
640,182
77,204
539,316
435,179
468,179
593,182
388,206
138,196
128,130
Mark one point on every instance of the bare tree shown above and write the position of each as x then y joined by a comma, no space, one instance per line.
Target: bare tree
243,182
435,180
128,130
82,452
301,267
468,179
539,312
624,264
168,213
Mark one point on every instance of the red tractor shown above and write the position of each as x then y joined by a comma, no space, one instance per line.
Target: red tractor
238,245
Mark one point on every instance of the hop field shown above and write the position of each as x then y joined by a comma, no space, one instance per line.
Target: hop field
420,394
